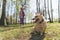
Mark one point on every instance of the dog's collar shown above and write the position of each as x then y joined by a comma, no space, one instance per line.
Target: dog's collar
41,21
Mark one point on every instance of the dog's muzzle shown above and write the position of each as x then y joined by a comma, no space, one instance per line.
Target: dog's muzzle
35,20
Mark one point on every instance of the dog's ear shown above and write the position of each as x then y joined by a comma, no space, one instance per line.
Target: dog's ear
41,13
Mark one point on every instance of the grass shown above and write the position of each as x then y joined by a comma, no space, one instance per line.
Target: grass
17,32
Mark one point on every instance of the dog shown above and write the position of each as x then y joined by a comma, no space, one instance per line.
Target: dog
40,25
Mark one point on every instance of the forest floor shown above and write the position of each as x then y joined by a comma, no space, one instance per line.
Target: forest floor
22,32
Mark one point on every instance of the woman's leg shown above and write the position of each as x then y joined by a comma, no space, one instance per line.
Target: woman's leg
21,20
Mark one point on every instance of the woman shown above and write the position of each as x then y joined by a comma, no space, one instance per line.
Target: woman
22,14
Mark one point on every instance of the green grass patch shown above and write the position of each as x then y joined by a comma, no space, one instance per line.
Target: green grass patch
22,32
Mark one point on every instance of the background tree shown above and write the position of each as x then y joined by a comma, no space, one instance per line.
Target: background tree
3,16
17,10
38,5
48,11
51,11
16,14
45,12
59,11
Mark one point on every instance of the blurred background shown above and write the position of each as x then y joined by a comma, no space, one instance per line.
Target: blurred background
10,9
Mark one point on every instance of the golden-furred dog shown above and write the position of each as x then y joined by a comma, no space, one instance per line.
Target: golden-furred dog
40,24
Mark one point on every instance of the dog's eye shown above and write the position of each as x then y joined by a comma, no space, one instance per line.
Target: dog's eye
36,16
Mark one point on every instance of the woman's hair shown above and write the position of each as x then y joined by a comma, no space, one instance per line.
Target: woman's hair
21,8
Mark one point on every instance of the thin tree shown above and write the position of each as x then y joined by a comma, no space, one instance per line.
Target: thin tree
45,13
3,16
59,11
51,11
37,6
17,9
48,10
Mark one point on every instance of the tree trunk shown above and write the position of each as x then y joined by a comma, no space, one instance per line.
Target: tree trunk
45,13
51,11
49,15
59,11
3,16
37,6
48,11
16,11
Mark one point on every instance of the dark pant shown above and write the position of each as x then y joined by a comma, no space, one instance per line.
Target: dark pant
21,20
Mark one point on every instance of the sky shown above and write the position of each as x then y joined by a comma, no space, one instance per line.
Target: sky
54,7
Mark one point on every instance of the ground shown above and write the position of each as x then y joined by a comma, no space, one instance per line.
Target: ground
17,32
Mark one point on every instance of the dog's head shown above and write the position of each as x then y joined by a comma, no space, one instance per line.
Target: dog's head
38,18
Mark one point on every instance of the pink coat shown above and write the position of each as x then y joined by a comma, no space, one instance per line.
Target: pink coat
22,14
